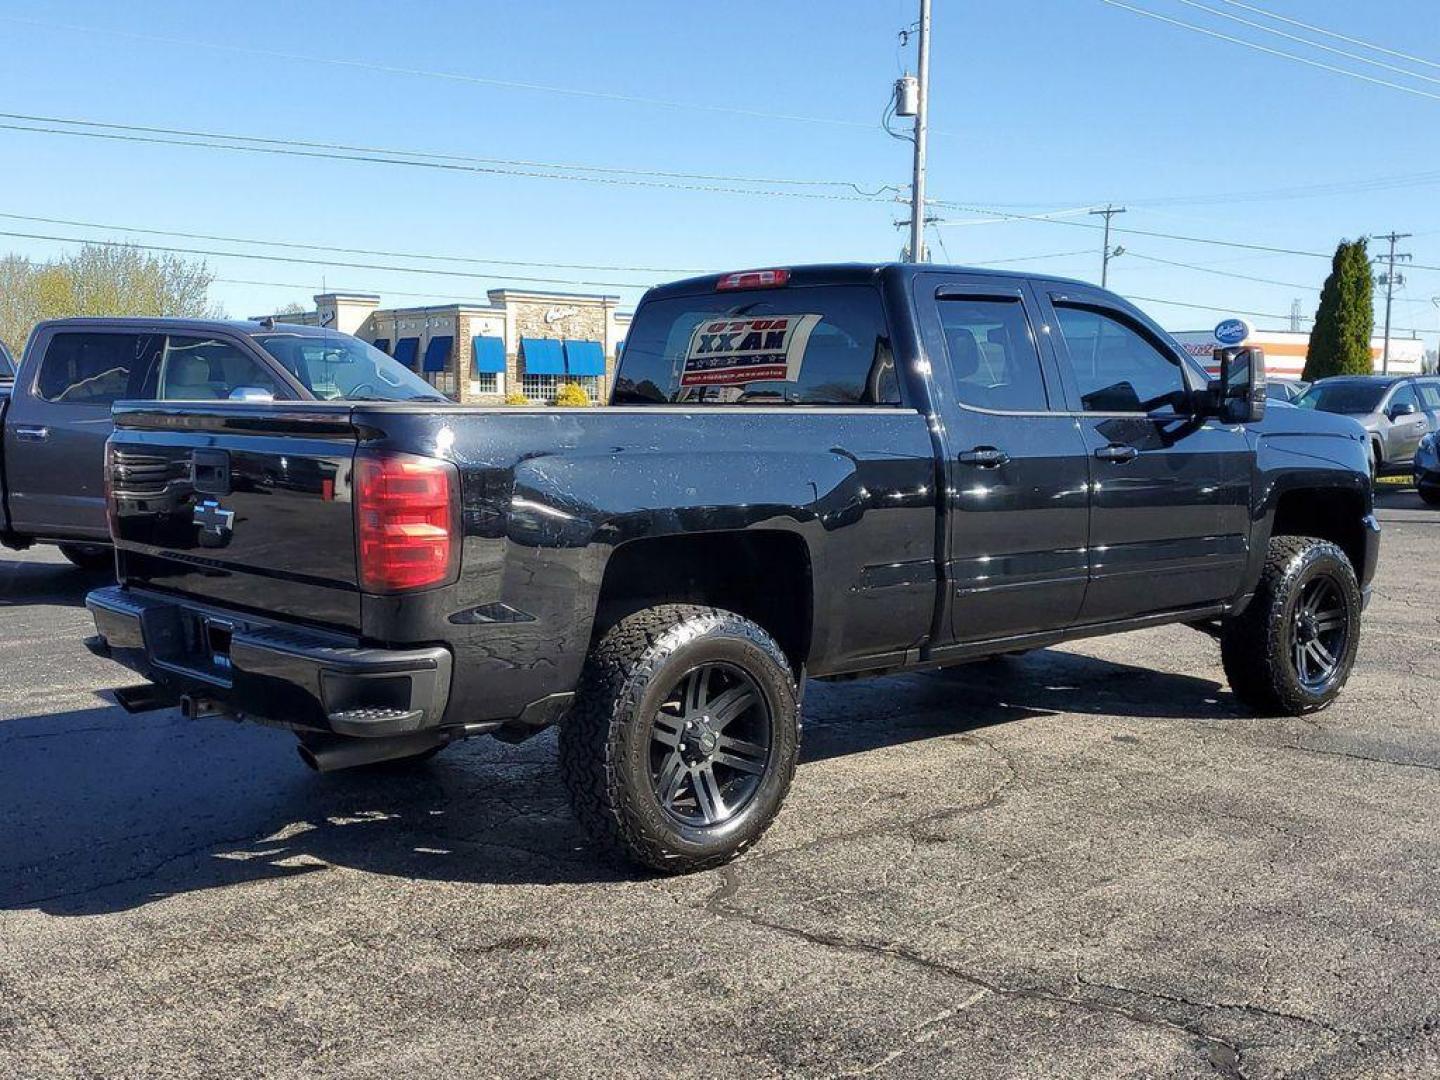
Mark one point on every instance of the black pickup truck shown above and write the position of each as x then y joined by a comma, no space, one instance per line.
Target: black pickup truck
55,412
817,472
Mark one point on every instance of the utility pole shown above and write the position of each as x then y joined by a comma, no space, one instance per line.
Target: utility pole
922,108
1106,253
1389,279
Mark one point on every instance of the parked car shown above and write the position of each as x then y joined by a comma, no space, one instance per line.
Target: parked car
1427,469
1285,391
817,472
55,417
1397,411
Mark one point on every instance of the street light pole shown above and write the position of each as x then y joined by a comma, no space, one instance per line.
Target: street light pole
917,187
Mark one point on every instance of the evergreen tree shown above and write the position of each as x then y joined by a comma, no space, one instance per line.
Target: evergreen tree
1345,319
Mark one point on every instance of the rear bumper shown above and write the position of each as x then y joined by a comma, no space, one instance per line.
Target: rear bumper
298,678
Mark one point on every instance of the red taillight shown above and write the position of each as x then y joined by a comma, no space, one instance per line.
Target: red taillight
752,279
405,523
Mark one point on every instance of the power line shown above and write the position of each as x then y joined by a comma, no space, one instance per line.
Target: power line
449,76
377,158
1222,273
315,262
1332,34
434,156
1306,41
1272,52
344,250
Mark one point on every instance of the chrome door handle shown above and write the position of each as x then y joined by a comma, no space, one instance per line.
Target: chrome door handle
1117,453
985,457
31,433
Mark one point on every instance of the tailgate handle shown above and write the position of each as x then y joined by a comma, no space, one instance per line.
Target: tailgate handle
211,471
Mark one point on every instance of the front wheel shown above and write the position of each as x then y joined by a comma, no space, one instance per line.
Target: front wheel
684,737
1291,650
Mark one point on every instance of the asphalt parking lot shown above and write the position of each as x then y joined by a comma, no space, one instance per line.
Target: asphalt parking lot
1084,862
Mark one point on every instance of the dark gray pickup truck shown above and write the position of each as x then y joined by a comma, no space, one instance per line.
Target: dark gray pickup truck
55,415
817,472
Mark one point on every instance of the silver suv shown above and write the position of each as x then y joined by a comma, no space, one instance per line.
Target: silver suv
1397,411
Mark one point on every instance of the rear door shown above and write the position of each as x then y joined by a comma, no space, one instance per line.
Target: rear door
1169,492
57,424
1016,475
1428,390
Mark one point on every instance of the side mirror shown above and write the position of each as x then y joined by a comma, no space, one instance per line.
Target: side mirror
251,393
1402,408
1238,395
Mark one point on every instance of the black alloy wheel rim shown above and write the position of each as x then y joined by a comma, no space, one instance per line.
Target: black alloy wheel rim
710,745
1321,632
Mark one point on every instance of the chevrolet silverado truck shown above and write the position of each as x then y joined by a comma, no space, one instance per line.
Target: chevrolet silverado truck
55,414
812,472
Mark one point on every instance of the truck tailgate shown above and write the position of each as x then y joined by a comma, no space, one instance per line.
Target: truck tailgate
239,504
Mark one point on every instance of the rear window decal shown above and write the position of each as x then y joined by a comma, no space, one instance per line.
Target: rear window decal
732,352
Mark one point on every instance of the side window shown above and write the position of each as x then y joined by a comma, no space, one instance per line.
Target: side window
92,369
206,369
1430,395
1404,395
994,363
1116,367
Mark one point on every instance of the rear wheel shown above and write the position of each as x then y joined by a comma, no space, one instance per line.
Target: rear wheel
1431,495
683,741
92,557
1292,648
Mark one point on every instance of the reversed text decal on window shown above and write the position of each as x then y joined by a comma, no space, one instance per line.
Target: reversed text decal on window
730,352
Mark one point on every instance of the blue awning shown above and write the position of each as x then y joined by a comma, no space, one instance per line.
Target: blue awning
437,353
382,343
489,355
585,357
542,356
406,350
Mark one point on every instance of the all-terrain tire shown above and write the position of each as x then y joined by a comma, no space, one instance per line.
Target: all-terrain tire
1257,647
606,741
89,557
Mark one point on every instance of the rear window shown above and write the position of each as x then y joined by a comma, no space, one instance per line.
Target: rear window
827,345
92,368
1341,397
341,366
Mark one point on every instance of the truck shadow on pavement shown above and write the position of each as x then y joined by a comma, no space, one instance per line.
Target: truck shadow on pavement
107,812
25,582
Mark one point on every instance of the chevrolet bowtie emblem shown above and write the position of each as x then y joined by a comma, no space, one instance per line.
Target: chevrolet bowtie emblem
214,521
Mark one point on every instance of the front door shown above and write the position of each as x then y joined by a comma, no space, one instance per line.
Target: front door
57,425
1406,428
1016,471
1169,492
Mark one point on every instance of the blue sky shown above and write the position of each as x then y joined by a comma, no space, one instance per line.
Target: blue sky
1038,106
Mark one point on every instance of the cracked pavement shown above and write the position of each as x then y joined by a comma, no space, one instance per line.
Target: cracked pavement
1085,861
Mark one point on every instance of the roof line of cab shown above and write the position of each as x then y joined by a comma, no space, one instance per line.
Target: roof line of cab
852,273
244,326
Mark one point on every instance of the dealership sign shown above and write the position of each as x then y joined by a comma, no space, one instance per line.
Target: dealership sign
1233,332
732,352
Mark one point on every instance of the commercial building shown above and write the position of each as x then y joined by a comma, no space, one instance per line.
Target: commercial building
522,340
1285,350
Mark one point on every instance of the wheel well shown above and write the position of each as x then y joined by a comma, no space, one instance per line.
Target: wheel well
762,575
1335,515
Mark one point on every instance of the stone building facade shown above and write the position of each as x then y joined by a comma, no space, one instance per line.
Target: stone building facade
523,340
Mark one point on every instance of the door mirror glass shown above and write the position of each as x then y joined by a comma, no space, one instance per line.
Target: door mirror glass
1239,392
251,393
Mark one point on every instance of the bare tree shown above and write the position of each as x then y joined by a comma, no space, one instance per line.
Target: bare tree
100,280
